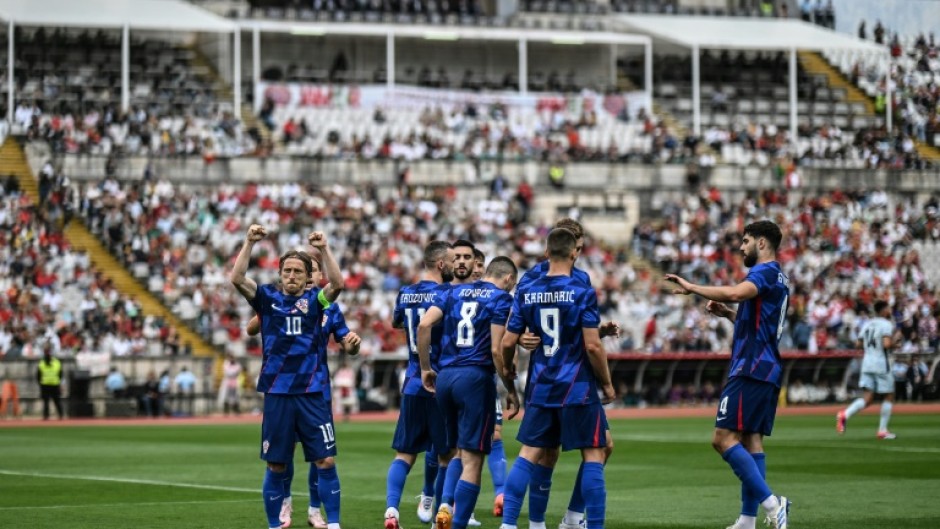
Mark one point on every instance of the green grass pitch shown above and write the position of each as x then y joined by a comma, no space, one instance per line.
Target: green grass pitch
663,474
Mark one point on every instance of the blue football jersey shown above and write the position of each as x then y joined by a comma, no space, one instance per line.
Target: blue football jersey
413,301
759,324
541,269
290,332
557,308
469,310
334,323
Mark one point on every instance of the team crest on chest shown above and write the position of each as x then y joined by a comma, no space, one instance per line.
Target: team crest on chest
302,305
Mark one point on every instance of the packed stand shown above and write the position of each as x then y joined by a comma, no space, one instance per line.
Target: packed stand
181,241
841,250
914,80
52,294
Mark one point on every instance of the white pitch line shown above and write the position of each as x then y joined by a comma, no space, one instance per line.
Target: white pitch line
139,504
129,480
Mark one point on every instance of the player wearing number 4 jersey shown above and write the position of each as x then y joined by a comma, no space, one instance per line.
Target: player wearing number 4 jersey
420,424
748,402
295,408
877,337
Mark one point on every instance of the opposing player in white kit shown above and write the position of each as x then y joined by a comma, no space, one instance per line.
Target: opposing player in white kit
877,337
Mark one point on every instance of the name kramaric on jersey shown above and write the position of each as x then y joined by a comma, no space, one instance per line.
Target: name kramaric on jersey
419,297
558,296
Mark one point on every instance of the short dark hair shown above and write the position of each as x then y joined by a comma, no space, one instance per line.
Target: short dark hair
463,242
297,254
767,230
477,254
880,305
434,252
501,266
561,242
571,225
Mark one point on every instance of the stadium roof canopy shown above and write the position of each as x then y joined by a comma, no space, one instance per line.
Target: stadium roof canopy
757,34
164,15
743,33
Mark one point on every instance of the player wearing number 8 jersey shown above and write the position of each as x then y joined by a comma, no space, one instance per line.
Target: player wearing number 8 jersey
474,318
295,408
748,402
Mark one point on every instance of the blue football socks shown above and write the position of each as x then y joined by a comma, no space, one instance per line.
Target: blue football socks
431,467
454,470
594,491
497,463
465,500
328,487
397,474
745,467
519,477
749,503
313,480
539,489
272,490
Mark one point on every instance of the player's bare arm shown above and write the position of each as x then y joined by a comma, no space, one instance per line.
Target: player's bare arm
721,310
334,275
429,320
350,344
598,358
609,328
733,294
244,284
504,351
529,341
254,326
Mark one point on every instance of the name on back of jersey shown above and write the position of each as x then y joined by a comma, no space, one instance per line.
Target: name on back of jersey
557,296
419,297
479,293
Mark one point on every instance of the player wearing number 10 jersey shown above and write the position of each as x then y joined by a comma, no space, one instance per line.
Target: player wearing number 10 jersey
748,402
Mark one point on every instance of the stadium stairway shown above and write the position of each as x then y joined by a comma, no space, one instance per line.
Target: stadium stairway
13,162
246,114
81,238
816,64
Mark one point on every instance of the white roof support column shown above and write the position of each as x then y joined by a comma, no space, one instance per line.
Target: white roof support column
794,126
390,61
237,73
696,93
11,85
648,71
613,65
523,66
256,62
889,110
125,68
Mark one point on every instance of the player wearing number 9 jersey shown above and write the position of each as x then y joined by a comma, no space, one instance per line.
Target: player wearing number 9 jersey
565,373
748,403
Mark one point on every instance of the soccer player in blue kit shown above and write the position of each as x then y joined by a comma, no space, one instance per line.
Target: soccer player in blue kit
565,372
748,403
474,317
334,323
420,425
541,483
295,408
